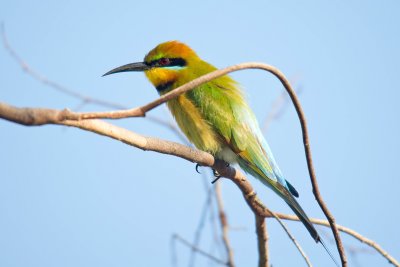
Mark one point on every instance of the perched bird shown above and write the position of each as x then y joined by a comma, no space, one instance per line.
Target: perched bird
215,117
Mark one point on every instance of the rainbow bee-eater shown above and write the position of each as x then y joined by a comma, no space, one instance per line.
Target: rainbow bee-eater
215,117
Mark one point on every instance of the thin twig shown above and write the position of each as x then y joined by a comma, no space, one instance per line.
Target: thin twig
258,208
277,109
198,250
311,171
352,250
200,226
262,241
217,241
171,126
32,117
224,224
348,231
299,248
25,67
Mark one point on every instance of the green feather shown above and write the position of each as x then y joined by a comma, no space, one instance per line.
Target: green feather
216,118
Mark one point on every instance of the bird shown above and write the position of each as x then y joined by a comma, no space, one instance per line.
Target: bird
216,118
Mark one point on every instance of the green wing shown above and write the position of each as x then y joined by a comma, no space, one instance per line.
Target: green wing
222,105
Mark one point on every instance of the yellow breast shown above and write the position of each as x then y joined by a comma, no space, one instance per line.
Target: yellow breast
192,124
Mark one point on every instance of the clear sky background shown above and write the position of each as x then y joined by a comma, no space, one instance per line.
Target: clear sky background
72,198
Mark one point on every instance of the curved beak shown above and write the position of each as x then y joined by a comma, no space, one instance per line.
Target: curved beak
138,66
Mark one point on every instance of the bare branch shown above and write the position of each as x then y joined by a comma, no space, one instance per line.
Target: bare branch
141,111
170,126
299,248
224,225
200,227
31,117
262,241
198,250
348,231
25,67
258,208
277,109
73,93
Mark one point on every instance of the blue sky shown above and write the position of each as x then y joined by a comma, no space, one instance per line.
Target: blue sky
71,198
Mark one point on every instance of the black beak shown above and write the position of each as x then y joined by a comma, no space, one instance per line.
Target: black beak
139,66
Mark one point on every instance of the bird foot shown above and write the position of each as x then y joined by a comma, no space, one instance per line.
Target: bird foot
217,175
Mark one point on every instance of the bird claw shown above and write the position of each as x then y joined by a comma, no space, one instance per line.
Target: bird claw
217,175
215,172
216,179
197,168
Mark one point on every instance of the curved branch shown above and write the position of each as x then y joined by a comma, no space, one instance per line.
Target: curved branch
277,73
141,111
32,117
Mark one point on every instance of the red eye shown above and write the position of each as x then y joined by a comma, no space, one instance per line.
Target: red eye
163,61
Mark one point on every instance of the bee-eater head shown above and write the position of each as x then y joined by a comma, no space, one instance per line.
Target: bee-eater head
164,64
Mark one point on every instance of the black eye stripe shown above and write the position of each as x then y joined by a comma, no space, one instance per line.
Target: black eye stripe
179,62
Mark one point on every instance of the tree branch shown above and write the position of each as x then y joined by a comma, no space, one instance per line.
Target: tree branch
262,241
198,250
36,75
302,253
277,109
29,117
348,231
32,117
224,225
141,111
